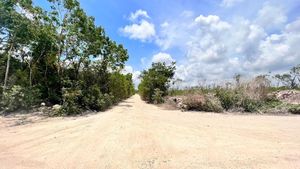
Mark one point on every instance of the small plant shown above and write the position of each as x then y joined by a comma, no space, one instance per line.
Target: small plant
12,99
227,98
157,96
294,109
213,104
249,105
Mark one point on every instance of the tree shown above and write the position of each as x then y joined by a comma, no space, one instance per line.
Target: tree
15,30
60,56
291,79
237,78
157,77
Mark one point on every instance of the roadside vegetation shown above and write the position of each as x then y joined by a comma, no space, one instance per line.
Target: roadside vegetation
155,82
262,94
58,58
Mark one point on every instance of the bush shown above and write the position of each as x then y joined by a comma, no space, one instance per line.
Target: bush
70,102
249,105
228,98
294,109
157,96
31,97
213,104
12,99
93,99
18,97
200,102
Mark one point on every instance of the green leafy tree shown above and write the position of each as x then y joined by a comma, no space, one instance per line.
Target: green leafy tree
157,77
16,30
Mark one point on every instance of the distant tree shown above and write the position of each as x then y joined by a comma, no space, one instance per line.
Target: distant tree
156,78
291,79
237,78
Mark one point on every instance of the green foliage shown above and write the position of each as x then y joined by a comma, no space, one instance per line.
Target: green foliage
157,77
212,104
18,97
121,86
249,105
93,99
202,102
31,97
228,98
68,60
157,96
294,109
70,102
12,99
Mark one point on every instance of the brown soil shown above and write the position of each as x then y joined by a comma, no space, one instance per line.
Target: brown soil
136,135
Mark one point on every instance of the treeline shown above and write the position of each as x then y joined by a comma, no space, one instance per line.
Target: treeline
263,94
58,56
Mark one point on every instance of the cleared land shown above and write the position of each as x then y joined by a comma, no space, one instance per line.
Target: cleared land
138,135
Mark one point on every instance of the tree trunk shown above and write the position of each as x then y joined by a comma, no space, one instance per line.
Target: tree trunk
30,75
7,66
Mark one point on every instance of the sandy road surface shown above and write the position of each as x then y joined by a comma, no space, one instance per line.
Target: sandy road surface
135,135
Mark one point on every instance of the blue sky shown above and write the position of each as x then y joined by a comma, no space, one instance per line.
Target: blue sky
210,40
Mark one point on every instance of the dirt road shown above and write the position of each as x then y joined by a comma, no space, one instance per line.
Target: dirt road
136,135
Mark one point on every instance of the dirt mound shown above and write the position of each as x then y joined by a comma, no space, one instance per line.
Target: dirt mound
289,96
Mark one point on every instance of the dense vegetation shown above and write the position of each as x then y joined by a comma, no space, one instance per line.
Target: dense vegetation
256,95
58,56
155,82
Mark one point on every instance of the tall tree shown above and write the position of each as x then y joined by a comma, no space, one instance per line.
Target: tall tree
16,30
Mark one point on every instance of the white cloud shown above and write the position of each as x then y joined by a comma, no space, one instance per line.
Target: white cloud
144,31
215,49
271,17
230,3
127,69
293,27
136,78
135,75
187,13
141,29
139,13
164,25
213,22
163,58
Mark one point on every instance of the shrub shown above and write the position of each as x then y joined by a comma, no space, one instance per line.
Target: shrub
200,102
70,102
109,100
18,97
12,99
294,109
213,104
31,97
157,96
249,105
228,98
93,99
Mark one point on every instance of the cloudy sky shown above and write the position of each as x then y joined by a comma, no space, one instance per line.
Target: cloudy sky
210,40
